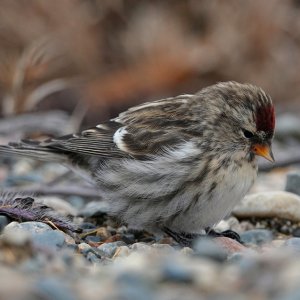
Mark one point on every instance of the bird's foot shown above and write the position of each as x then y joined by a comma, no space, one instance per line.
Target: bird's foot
182,238
187,239
227,233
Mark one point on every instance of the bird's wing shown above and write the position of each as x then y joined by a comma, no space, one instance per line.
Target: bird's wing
141,131
154,127
97,141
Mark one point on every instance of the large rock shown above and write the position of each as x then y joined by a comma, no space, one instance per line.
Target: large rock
278,204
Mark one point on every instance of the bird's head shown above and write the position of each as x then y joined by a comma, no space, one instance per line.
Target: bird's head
260,138
246,118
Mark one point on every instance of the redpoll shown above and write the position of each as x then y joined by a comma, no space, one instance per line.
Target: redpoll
178,164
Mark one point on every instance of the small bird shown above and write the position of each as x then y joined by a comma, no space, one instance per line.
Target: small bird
177,165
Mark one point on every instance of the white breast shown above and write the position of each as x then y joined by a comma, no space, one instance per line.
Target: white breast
232,186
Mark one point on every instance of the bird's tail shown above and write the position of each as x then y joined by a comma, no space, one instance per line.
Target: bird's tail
34,150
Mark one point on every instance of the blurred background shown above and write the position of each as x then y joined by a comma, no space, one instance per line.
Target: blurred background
95,58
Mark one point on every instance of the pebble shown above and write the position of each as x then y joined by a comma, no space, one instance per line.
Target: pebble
186,251
50,239
22,167
293,182
31,227
93,258
133,286
296,232
15,285
141,247
236,257
293,243
122,251
83,247
291,295
278,243
41,234
18,238
68,239
94,209
176,273
229,245
208,248
163,247
109,249
87,226
103,233
4,220
277,204
76,202
122,230
52,288
21,179
93,239
128,238
257,236
59,205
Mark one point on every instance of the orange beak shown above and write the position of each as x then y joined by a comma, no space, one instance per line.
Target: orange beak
263,150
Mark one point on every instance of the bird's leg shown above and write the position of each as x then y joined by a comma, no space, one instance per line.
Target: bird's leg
227,233
187,239
183,239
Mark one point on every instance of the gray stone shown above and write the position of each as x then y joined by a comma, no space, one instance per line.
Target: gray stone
176,272
53,289
31,227
122,251
92,257
109,249
236,257
248,265
134,286
59,205
163,247
293,243
293,182
94,209
76,201
17,237
41,234
93,238
4,220
13,180
86,226
278,204
50,239
128,238
207,248
143,247
257,236
84,248
296,232
289,295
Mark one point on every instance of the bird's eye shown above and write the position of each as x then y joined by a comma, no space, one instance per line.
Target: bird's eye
248,134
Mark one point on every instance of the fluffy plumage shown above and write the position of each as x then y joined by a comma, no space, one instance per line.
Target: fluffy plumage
181,163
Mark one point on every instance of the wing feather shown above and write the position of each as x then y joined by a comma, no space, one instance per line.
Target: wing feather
141,131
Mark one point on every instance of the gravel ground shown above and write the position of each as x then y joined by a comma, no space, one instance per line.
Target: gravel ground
76,251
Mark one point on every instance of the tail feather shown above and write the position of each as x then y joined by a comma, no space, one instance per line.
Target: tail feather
32,149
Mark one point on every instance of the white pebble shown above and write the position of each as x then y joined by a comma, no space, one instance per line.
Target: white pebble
278,204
